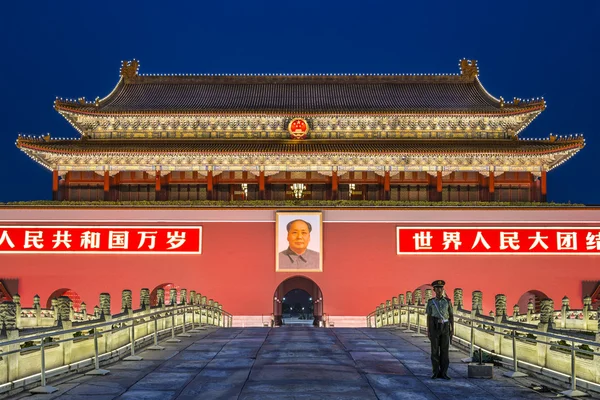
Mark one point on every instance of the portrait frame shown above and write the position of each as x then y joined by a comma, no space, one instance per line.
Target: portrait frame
282,245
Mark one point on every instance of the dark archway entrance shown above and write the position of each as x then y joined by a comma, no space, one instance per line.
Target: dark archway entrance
295,286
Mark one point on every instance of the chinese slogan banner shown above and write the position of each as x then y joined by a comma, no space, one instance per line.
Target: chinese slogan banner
101,239
498,240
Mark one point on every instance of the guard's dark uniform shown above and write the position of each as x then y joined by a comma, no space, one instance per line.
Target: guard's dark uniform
440,320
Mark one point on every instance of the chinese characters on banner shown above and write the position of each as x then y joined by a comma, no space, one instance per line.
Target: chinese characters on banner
498,240
101,239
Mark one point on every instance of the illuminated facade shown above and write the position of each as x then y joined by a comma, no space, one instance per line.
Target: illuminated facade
276,137
308,137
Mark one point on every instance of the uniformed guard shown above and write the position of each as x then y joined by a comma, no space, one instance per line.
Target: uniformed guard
440,328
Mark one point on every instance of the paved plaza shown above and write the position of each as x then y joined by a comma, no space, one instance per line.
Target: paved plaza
290,363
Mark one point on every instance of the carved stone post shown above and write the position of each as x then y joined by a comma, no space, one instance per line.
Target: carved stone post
17,300
563,312
204,311
395,311
530,310
38,310
8,321
8,315
96,312
105,305
384,309
476,303
546,322
64,308
428,295
83,309
401,299
193,297
500,307
145,298
198,298
160,297
587,307
53,303
183,296
417,297
126,302
409,298
458,298
516,311
173,297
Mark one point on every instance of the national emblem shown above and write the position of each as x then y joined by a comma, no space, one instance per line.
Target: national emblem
298,128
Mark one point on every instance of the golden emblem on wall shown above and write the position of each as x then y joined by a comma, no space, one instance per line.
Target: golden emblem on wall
298,128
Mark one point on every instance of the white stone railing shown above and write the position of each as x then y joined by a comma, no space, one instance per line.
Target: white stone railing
29,355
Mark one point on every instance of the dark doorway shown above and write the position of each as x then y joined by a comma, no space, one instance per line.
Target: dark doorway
303,302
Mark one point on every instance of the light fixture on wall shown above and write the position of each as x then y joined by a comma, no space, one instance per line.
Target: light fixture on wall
298,189
245,190
351,188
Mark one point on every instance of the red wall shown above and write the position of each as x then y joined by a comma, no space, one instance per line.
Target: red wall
237,267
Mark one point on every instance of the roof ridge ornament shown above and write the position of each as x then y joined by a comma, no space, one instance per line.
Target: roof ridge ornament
129,69
468,68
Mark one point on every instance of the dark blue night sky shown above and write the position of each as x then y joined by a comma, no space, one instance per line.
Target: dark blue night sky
524,49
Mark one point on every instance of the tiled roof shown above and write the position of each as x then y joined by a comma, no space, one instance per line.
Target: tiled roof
288,147
300,95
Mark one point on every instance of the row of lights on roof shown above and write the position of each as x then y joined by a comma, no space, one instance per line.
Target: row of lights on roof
299,74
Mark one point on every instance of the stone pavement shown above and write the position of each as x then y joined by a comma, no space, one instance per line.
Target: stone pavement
290,363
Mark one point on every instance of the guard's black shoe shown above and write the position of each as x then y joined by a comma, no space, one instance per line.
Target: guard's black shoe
434,376
444,376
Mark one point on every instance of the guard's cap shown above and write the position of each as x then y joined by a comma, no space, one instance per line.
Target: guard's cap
439,283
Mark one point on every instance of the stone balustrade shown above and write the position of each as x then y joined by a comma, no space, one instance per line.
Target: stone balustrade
23,323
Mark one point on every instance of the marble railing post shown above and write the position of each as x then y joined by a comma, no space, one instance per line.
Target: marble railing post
17,300
211,313
71,311
193,297
203,311
126,301
53,305
428,295
500,304
530,310
96,312
458,299
221,318
417,297
38,310
160,297
563,312
183,296
172,297
8,321
105,305
63,307
396,311
546,322
389,319
476,302
409,298
587,307
515,311
83,310
401,299
145,298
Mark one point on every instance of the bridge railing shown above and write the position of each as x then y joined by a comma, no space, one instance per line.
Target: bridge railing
30,355
545,343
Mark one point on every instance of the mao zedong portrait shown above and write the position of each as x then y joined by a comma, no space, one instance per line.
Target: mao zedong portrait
298,255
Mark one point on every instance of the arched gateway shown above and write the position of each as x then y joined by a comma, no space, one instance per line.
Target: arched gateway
302,283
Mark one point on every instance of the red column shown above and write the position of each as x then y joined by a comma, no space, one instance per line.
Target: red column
439,182
54,185
261,185
66,186
543,186
334,185
106,186
491,186
157,185
209,185
386,185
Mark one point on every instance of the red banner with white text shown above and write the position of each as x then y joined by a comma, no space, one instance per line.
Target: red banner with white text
498,240
101,239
